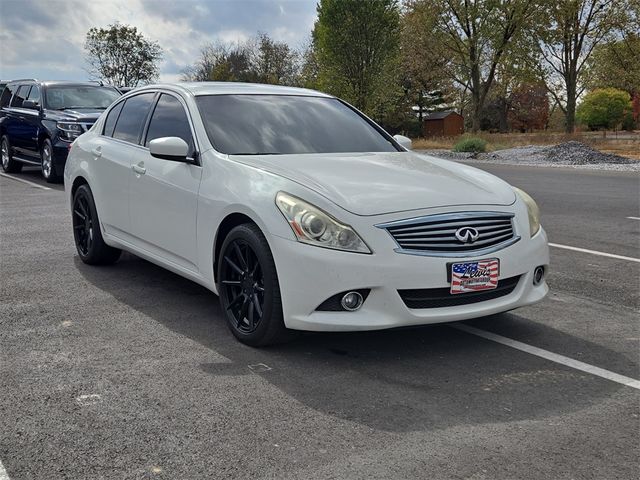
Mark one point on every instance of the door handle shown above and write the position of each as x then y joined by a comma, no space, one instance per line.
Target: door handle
139,168
97,151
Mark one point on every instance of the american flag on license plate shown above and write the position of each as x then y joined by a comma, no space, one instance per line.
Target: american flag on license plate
474,276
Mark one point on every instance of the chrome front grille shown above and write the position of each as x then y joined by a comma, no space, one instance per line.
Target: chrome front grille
436,234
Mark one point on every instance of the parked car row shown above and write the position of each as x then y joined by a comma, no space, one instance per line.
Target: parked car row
39,120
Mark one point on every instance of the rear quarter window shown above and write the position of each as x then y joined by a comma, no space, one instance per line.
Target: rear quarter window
112,118
6,95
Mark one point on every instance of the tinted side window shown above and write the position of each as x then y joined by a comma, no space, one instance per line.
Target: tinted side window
110,122
19,97
6,95
170,120
132,117
34,94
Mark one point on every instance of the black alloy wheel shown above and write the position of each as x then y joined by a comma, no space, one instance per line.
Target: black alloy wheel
243,285
249,289
86,230
83,225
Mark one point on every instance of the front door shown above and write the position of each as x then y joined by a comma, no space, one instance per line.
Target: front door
163,194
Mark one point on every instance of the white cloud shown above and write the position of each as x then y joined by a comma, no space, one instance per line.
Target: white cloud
44,38
232,36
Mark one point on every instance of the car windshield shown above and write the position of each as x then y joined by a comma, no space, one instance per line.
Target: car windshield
79,97
287,124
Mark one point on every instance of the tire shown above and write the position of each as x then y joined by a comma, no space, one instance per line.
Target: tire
86,231
46,163
9,165
246,271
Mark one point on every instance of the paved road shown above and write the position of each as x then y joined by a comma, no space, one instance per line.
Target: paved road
129,371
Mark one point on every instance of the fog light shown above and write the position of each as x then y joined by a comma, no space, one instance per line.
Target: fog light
351,301
538,276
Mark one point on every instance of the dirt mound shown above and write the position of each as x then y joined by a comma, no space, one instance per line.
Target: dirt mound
577,153
568,153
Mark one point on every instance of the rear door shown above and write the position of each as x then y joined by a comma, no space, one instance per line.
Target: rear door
113,152
17,125
163,198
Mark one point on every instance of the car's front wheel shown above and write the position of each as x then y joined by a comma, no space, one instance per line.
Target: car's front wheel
249,289
9,165
46,158
87,233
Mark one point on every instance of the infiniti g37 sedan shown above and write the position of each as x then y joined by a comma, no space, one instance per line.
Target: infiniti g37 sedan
299,212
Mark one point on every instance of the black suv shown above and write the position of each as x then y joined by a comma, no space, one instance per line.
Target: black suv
39,120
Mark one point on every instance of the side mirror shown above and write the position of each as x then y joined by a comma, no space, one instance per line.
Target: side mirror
31,105
403,141
169,148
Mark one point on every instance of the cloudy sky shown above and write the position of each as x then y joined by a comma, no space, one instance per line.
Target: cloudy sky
44,38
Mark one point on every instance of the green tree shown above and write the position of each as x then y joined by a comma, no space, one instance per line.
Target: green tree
475,37
356,49
424,62
604,108
567,40
224,62
616,64
258,60
120,55
308,77
274,62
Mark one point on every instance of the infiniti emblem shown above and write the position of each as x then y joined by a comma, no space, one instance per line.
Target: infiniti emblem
467,234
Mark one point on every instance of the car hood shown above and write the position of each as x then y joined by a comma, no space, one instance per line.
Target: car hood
378,183
80,115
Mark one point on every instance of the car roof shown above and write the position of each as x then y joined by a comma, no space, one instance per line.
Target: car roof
235,88
58,82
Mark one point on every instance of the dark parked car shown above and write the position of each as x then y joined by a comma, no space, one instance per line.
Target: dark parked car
39,120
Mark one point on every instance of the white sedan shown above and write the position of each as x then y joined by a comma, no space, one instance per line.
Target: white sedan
299,212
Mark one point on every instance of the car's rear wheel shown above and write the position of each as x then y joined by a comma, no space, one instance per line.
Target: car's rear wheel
9,165
249,288
86,231
46,158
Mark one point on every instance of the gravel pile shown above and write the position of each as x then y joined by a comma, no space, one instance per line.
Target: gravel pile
568,154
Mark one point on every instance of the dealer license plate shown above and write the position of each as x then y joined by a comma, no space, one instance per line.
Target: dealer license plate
474,276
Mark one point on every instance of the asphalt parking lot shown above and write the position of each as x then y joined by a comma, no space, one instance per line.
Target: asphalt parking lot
129,371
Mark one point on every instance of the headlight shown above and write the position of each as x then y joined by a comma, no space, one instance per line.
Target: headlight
532,209
69,131
315,227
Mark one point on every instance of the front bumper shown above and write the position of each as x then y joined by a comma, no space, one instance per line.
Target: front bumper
309,275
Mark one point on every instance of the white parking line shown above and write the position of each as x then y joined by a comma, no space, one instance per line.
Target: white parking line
633,218
595,252
28,183
554,357
3,473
